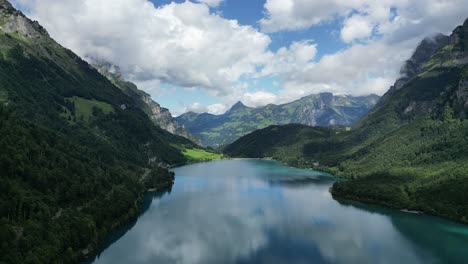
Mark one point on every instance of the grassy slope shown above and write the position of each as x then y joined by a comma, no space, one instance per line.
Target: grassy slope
84,107
201,155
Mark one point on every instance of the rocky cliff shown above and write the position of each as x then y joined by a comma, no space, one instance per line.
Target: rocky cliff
159,115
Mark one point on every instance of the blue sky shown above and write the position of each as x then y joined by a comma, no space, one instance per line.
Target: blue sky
205,55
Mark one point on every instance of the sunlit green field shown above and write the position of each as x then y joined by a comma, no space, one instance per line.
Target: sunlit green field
201,155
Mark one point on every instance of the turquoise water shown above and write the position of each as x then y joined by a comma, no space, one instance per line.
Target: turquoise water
253,211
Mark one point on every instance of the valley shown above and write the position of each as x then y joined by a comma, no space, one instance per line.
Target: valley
94,170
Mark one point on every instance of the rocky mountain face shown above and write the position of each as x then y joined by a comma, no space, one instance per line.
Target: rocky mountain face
159,115
14,21
439,51
323,109
327,109
436,88
459,53
409,152
412,67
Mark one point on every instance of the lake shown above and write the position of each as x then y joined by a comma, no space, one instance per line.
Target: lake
256,211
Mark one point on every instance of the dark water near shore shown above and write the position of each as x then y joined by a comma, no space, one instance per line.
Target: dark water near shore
253,211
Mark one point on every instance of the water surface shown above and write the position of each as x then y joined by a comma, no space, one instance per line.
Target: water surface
254,211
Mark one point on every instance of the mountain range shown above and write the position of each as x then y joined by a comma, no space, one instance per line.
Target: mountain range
409,152
323,109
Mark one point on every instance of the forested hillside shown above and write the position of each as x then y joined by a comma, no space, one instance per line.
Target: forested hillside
409,152
76,153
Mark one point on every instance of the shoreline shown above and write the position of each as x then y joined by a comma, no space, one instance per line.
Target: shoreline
387,205
88,255
411,211
383,204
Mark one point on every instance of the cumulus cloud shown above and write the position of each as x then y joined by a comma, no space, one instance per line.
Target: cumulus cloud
215,109
251,99
382,34
187,45
401,18
259,98
361,69
182,44
300,14
291,58
356,27
211,3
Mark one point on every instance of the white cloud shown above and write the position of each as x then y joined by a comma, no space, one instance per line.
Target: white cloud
401,18
211,3
291,58
391,30
259,98
300,14
251,99
361,69
216,109
356,27
183,44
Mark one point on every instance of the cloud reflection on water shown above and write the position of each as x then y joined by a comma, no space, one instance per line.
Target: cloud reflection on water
251,212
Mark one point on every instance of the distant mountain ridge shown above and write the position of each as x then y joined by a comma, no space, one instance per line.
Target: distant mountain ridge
324,109
159,115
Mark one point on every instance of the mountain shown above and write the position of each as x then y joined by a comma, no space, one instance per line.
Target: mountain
323,109
76,153
423,53
409,152
159,115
